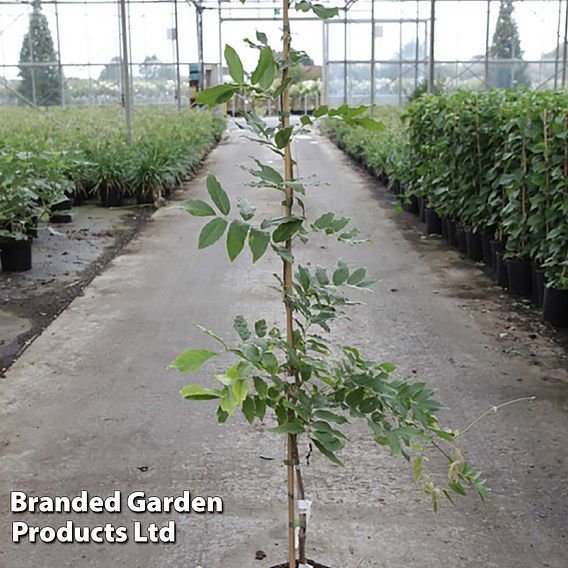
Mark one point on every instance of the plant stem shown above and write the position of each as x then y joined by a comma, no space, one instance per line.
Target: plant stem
303,517
287,277
493,410
291,504
547,204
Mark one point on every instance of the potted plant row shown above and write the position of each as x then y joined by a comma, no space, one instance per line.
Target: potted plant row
488,172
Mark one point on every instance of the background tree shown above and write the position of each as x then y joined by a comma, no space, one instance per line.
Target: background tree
39,84
111,71
153,69
507,45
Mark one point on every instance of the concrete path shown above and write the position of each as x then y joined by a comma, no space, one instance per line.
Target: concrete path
90,405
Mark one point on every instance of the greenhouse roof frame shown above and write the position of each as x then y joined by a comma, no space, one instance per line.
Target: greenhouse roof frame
352,12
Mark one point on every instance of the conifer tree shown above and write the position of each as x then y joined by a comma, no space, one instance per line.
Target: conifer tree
40,84
507,45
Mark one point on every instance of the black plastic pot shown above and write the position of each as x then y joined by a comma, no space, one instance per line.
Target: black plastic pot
501,275
520,277
452,234
60,218
311,563
486,238
111,197
414,202
495,246
16,256
433,222
474,246
422,209
411,204
444,228
555,306
79,197
64,205
33,228
537,275
144,198
461,238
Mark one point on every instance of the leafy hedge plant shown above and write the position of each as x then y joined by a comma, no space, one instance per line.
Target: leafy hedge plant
495,161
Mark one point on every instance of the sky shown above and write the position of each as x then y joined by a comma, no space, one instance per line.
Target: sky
89,32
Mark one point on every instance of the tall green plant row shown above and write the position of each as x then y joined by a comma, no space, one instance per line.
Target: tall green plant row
494,162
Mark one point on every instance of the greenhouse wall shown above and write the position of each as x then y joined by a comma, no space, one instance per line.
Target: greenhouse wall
376,51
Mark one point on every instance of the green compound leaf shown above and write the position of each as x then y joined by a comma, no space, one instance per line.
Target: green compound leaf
218,194
265,69
216,95
282,137
240,389
246,209
286,230
248,409
197,208
341,274
240,325
268,174
331,416
191,360
329,455
264,59
289,428
319,10
261,37
236,238
357,276
235,65
212,232
258,243
323,12
197,392
321,276
369,124
325,220
260,327
283,253
228,403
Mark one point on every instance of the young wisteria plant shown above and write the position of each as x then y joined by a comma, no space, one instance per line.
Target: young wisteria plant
313,383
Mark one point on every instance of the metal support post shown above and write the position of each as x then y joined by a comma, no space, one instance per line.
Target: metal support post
178,74
565,47
431,58
125,73
199,20
59,66
373,54
487,25
345,57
